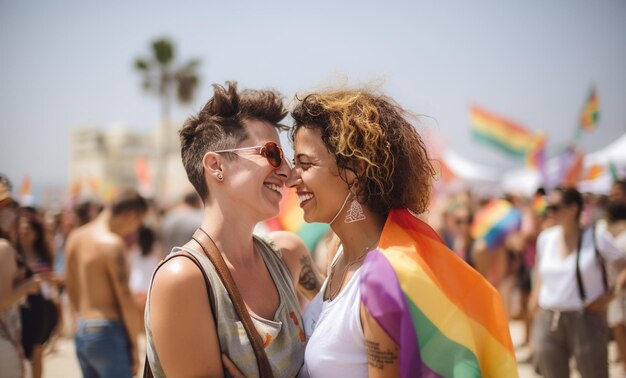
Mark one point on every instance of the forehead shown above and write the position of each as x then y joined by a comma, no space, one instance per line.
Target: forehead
260,131
555,197
308,141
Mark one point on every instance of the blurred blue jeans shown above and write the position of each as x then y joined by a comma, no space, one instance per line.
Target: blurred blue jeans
102,348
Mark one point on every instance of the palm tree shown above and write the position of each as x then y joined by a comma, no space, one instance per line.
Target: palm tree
161,77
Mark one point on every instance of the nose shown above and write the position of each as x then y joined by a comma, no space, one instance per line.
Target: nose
284,171
293,178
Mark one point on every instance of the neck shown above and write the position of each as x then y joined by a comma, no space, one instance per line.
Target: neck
231,233
571,228
112,223
571,233
359,237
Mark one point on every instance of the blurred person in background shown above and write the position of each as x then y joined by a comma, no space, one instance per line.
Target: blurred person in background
534,220
571,290
40,312
87,211
14,287
180,222
97,274
463,242
615,224
143,257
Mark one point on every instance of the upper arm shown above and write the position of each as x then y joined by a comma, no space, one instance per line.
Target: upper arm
383,354
299,262
8,268
181,321
70,270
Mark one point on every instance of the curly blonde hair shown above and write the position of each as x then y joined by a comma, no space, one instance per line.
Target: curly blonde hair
369,134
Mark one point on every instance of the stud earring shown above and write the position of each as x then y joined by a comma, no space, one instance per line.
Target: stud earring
220,176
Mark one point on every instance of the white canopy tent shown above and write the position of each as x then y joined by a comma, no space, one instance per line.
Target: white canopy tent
525,180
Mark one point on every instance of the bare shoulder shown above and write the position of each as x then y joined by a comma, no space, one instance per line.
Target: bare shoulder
291,246
7,252
176,275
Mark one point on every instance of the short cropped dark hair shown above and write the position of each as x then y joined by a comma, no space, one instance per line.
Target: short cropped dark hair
128,200
220,125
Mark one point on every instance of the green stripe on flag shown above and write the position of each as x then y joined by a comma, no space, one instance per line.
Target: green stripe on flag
441,354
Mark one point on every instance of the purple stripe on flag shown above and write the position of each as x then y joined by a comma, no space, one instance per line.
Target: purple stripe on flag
384,299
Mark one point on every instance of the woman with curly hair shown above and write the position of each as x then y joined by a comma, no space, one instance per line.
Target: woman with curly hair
397,301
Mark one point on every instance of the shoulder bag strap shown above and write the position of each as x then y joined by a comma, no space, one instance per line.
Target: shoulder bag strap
605,281
579,279
211,251
147,370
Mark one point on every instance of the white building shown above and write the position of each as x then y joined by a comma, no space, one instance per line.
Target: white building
105,159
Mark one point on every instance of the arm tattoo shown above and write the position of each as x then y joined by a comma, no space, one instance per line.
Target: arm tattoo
379,358
121,268
307,279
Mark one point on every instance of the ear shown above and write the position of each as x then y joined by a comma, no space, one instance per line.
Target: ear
352,172
212,164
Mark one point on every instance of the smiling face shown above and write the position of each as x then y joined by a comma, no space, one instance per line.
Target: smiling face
321,190
251,185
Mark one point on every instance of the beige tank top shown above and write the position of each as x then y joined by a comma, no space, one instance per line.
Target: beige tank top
283,336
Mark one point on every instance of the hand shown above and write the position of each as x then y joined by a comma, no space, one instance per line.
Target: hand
230,367
32,284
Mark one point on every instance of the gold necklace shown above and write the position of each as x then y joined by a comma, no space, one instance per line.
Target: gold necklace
332,296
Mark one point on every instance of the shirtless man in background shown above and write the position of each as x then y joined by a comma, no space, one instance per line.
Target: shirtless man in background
97,272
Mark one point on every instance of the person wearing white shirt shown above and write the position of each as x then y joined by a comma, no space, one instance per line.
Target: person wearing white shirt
571,287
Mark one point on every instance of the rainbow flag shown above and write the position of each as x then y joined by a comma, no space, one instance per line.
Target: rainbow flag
446,319
494,222
539,205
537,156
591,112
505,135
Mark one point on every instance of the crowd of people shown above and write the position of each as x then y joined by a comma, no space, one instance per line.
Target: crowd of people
214,298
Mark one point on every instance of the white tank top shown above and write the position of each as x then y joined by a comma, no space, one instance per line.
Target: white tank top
336,345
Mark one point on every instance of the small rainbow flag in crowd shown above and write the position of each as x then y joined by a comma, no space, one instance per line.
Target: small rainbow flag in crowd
446,319
539,204
591,112
291,218
508,136
494,222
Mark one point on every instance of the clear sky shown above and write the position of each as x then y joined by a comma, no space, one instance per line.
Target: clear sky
65,64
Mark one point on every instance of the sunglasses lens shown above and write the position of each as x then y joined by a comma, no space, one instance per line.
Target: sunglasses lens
273,154
552,208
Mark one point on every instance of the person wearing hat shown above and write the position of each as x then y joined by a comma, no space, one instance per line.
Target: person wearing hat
12,289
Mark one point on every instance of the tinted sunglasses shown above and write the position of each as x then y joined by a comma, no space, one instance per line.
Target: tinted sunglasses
553,208
270,151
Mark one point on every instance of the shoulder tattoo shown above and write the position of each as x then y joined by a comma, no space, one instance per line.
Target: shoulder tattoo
120,260
307,279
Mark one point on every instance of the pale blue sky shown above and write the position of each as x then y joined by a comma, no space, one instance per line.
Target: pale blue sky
66,64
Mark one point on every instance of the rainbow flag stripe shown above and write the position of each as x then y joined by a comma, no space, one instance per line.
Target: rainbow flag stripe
537,156
591,112
494,222
539,205
446,319
501,133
